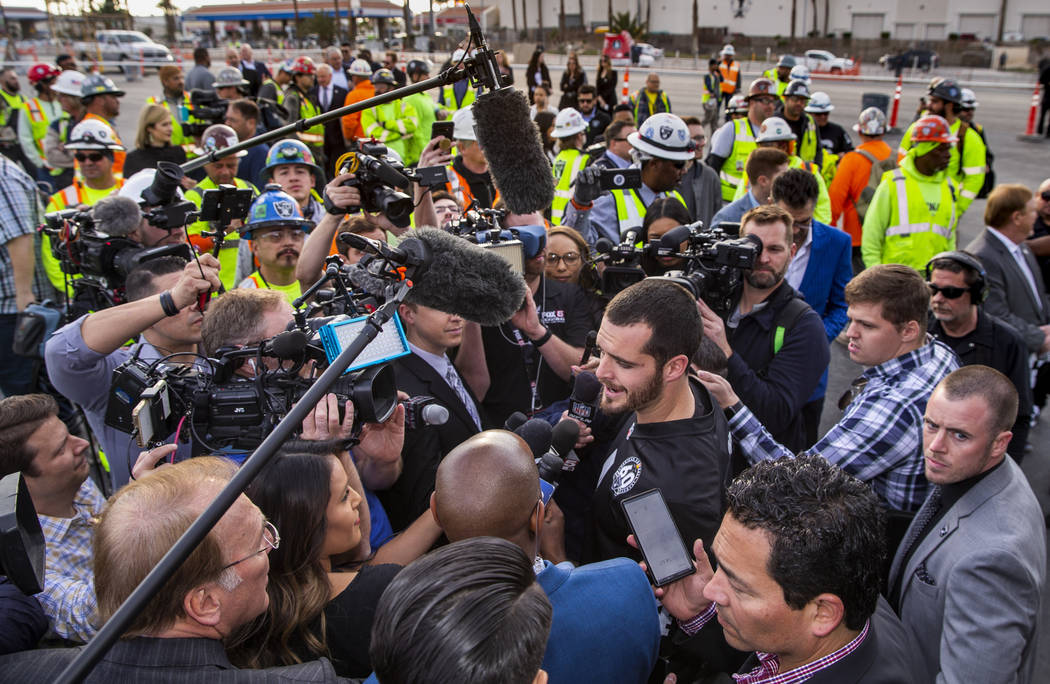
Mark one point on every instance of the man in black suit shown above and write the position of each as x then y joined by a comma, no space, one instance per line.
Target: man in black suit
328,96
428,371
179,636
799,552
253,71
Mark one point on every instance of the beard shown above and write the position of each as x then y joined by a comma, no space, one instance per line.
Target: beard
634,400
763,279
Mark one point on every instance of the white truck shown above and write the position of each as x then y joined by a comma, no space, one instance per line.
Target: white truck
124,46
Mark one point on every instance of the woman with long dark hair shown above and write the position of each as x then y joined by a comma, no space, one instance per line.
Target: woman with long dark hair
545,123
605,81
536,73
661,216
316,609
571,80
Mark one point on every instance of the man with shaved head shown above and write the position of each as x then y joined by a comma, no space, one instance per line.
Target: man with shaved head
604,612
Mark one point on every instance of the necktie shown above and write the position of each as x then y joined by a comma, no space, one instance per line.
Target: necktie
922,520
452,378
324,99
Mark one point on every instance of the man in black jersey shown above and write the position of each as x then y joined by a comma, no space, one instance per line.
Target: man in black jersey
675,437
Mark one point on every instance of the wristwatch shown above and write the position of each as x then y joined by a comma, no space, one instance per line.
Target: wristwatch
543,339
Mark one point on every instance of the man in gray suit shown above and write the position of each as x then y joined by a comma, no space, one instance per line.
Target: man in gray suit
968,578
221,587
700,187
1016,291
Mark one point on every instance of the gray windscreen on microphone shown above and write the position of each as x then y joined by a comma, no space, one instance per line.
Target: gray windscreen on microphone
116,216
434,414
512,147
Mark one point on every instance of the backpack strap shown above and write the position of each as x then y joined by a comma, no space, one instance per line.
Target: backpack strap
786,320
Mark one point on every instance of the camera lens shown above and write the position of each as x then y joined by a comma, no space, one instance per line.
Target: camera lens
165,184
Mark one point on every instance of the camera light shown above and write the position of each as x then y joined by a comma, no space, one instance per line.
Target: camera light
389,344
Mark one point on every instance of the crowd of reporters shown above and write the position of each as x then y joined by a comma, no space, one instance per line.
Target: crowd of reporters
678,312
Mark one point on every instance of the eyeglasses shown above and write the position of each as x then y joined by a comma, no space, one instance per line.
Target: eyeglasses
276,236
1045,195
587,100
764,100
93,157
271,537
948,292
570,258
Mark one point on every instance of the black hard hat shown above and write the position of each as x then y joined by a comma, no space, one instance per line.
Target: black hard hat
417,66
946,89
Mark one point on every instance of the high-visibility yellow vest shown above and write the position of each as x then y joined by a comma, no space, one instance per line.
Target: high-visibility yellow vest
448,99
732,172
256,281
38,122
772,75
314,135
277,88
660,104
230,244
917,234
806,149
14,103
630,210
392,124
566,165
67,198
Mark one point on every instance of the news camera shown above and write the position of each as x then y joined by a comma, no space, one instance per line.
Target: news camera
383,181
715,261
206,108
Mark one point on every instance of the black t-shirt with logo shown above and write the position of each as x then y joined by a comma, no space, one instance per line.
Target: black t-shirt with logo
687,460
513,362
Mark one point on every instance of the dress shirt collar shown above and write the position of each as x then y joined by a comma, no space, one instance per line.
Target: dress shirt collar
768,670
1012,246
438,362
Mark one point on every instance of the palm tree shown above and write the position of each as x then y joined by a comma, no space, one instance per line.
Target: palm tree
409,33
539,10
169,19
696,28
524,18
295,8
561,19
794,9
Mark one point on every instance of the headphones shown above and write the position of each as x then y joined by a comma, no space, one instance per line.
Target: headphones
979,289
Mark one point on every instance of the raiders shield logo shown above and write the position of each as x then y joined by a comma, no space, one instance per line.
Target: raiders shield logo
665,132
284,208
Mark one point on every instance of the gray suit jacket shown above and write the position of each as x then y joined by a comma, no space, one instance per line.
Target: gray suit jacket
1009,296
702,192
145,660
971,590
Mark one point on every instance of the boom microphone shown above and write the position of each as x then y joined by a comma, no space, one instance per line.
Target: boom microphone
511,143
462,278
116,216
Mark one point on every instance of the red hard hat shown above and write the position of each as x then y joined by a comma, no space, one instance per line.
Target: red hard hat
303,65
932,128
39,72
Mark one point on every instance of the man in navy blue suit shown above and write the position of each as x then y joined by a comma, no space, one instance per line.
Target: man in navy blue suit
605,626
819,271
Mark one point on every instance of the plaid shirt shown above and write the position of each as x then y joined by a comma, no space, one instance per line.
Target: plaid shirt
68,598
20,214
768,669
879,437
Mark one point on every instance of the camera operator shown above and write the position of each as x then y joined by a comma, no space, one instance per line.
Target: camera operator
663,149
162,312
277,230
221,172
229,84
94,149
774,341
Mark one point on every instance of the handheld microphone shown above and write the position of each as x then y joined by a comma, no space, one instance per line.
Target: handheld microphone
511,143
590,347
116,216
549,467
537,434
563,437
462,278
423,410
583,403
290,344
515,421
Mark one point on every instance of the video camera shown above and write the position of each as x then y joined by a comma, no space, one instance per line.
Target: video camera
376,175
714,262
206,109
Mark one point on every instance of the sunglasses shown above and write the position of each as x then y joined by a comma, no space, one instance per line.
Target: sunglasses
583,100
93,157
948,292
1045,195
678,163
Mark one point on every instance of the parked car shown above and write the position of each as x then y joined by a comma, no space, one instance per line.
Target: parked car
824,61
920,58
120,46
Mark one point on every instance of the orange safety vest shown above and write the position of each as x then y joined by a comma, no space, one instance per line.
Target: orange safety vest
459,187
729,75
118,155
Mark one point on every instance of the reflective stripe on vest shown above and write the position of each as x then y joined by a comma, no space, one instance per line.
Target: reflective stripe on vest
732,172
458,187
570,161
904,224
631,215
314,135
729,73
38,122
660,99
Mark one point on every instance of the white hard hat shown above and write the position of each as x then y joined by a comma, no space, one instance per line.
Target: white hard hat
664,136
568,123
799,72
463,124
872,121
729,50
968,98
773,129
69,83
360,67
92,134
134,187
819,103
737,104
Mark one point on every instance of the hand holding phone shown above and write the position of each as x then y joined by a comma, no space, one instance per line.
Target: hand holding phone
666,557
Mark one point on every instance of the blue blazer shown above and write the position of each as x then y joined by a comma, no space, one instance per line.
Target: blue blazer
824,283
605,626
